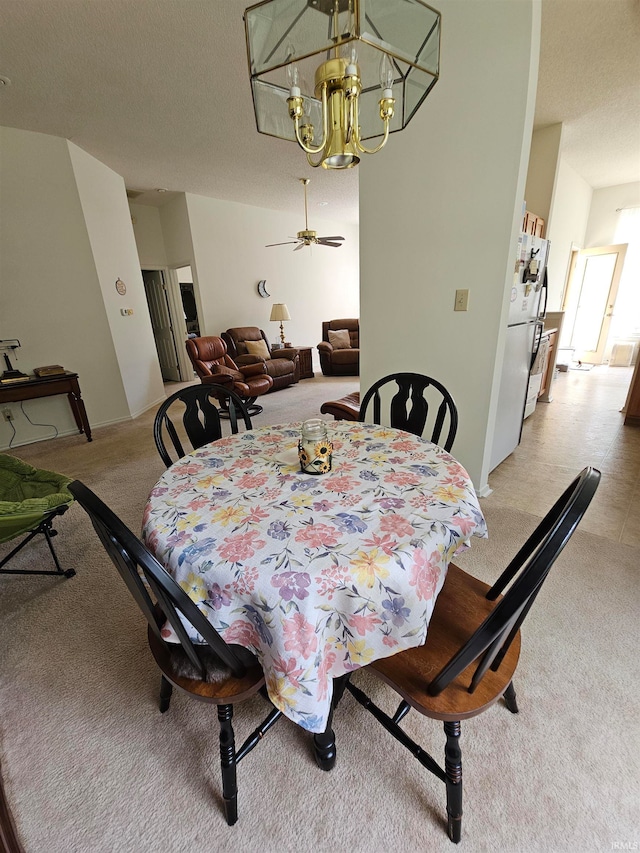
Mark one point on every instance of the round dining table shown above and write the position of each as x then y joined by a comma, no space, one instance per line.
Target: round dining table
317,575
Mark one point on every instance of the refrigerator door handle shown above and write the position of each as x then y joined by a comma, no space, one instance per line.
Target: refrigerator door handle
545,293
537,339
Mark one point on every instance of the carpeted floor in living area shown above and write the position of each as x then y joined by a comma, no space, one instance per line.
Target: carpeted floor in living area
89,763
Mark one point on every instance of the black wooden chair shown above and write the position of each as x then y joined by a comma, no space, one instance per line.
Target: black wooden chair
473,643
416,398
197,405
214,671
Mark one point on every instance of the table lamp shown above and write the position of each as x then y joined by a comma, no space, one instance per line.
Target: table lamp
279,311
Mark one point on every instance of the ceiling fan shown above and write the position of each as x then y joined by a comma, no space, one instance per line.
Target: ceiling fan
306,237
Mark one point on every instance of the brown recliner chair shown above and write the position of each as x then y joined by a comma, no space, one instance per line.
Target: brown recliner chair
212,364
340,361
283,366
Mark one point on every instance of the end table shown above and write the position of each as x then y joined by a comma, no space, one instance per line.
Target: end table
306,362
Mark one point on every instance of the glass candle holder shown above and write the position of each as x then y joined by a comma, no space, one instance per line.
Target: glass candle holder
314,448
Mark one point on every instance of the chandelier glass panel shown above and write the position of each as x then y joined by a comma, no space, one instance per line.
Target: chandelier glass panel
332,74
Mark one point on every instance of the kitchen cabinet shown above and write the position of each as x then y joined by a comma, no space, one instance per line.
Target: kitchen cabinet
632,405
533,224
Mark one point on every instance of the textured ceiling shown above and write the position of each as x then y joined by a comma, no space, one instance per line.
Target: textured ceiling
589,79
158,90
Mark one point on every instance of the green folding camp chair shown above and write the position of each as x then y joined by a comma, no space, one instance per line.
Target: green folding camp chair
30,499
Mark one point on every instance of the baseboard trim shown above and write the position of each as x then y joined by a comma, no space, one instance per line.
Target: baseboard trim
94,426
154,405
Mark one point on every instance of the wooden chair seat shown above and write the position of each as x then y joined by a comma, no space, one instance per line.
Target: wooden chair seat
225,688
461,607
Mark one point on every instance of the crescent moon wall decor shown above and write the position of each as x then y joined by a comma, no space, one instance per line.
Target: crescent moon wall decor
262,289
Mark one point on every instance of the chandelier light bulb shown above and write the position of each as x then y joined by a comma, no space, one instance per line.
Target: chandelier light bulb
293,76
386,76
352,62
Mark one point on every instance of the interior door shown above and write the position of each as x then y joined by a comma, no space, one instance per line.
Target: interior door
590,301
157,299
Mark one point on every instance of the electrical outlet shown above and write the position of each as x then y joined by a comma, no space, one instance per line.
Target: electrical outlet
7,414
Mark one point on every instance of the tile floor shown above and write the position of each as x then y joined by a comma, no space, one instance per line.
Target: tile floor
582,426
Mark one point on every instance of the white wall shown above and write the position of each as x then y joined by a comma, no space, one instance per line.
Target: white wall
604,214
440,209
541,174
230,258
566,228
147,229
176,232
107,217
50,296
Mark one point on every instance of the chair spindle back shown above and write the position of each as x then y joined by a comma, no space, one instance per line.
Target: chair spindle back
200,417
528,571
136,564
409,407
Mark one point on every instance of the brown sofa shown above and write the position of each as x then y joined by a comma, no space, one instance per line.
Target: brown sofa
340,362
283,366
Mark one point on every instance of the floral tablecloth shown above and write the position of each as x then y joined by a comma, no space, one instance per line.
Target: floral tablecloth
318,575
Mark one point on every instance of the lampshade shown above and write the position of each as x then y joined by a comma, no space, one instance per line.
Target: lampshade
331,73
279,311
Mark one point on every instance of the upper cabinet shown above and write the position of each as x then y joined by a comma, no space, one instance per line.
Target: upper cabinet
533,224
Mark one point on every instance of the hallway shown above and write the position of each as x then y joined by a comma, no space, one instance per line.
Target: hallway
582,426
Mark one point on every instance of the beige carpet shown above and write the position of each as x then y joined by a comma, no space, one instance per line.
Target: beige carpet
90,764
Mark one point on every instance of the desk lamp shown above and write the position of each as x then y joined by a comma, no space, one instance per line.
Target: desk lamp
11,375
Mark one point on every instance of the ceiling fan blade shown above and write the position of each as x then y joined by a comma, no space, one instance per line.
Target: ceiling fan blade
328,243
330,238
287,243
301,246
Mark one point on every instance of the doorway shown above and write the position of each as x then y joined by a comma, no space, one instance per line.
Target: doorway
189,304
589,301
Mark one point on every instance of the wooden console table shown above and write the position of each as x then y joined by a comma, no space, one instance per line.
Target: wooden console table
49,386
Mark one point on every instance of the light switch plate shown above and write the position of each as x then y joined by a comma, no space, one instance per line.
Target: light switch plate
462,300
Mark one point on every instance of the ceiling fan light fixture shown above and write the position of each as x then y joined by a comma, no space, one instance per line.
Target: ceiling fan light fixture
330,74
307,237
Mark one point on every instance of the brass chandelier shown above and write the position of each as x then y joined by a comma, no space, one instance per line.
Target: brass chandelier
330,74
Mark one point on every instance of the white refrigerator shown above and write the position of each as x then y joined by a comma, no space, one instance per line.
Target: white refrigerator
527,306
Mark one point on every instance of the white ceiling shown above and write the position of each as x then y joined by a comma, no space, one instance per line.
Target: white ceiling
589,79
158,90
